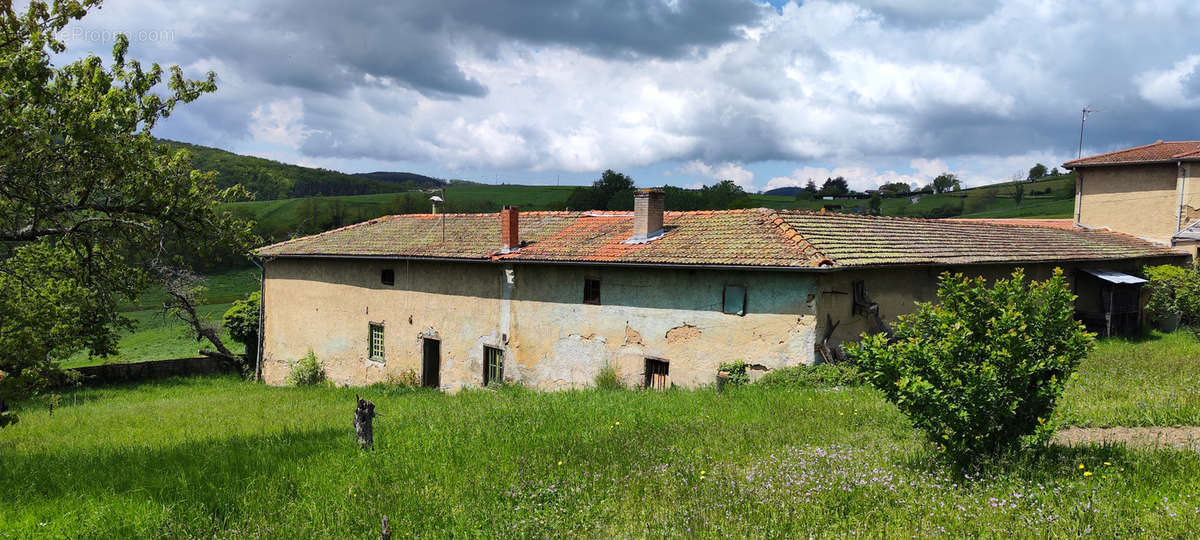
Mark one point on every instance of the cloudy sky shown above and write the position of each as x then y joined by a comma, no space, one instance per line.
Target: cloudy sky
671,91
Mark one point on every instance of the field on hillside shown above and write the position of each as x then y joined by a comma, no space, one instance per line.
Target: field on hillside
217,456
159,338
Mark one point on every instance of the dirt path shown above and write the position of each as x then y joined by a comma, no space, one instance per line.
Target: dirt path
1186,437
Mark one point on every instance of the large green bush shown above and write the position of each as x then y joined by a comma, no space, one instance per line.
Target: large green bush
981,370
1173,290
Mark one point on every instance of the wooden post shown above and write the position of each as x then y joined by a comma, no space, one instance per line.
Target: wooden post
364,414
386,531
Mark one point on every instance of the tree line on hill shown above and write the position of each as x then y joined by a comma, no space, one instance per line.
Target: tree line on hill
265,179
614,191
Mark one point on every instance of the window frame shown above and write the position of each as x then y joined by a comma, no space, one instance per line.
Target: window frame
372,327
725,299
490,375
648,374
387,276
590,300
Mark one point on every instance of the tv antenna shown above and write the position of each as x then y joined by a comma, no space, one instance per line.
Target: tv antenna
1082,118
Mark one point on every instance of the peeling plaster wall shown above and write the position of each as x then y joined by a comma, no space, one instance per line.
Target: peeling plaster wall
327,305
672,315
1190,210
535,314
1140,200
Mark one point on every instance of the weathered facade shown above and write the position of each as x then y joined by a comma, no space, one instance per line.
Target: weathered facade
548,299
1152,191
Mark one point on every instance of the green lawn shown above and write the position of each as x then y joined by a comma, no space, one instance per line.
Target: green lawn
216,456
1150,382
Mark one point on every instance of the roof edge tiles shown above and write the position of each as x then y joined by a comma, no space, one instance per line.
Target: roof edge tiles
1156,152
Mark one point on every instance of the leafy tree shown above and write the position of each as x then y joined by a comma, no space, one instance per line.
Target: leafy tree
946,182
1037,171
88,199
834,187
242,321
876,204
811,187
981,371
1055,172
895,188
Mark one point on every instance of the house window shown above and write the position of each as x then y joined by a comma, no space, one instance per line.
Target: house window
591,291
376,342
734,301
658,374
387,277
493,365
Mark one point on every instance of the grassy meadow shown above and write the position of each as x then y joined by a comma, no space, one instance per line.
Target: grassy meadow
217,456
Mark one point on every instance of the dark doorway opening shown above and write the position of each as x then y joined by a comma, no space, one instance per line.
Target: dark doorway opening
658,374
432,365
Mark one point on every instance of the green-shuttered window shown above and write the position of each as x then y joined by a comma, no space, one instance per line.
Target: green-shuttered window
376,342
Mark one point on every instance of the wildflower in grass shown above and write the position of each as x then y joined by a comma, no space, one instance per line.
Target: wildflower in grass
1081,466
560,463
1087,473
1107,464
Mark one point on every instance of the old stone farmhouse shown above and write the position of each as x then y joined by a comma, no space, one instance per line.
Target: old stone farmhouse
1150,191
547,299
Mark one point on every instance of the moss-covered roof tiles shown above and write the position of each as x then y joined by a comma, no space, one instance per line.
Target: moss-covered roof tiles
754,237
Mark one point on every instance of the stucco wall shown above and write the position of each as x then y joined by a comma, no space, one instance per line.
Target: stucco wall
1141,200
897,290
534,314
1190,210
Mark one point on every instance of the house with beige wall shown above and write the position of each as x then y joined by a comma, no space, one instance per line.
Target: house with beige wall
549,299
1151,191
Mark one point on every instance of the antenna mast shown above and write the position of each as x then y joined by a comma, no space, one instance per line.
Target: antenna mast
1082,119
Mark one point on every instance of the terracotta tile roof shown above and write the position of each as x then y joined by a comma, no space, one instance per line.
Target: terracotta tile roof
754,237
1159,152
851,240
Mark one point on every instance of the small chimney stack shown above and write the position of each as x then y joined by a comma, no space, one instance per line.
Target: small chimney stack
510,228
647,214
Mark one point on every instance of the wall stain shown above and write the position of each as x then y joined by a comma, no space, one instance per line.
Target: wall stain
682,333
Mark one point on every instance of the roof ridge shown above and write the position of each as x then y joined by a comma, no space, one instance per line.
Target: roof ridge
1155,143
773,220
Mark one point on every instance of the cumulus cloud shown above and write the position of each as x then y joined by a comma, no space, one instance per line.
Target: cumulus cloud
280,122
718,172
881,88
1174,88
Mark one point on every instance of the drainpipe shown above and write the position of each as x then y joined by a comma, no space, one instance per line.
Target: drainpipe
262,296
1179,207
1078,194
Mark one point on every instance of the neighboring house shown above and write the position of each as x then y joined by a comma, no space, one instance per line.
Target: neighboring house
1150,191
548,299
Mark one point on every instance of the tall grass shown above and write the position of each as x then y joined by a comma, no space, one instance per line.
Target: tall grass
216,456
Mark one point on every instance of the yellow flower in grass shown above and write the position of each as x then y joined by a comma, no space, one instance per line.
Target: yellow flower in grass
1087,473
1081,466
1107,464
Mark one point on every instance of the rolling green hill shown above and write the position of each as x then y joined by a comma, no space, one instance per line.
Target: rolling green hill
268,179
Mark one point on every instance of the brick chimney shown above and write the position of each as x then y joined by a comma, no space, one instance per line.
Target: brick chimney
510,228
647,214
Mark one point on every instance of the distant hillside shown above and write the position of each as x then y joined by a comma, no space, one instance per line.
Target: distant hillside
269,180
789,191
416,181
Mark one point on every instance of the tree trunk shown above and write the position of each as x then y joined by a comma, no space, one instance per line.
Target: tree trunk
364,414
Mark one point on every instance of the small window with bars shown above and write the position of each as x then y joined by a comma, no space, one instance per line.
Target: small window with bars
376,342
387,276
493,366
591,291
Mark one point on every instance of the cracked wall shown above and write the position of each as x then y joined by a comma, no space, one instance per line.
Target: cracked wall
551,340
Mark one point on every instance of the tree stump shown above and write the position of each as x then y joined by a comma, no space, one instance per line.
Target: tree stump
364,414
